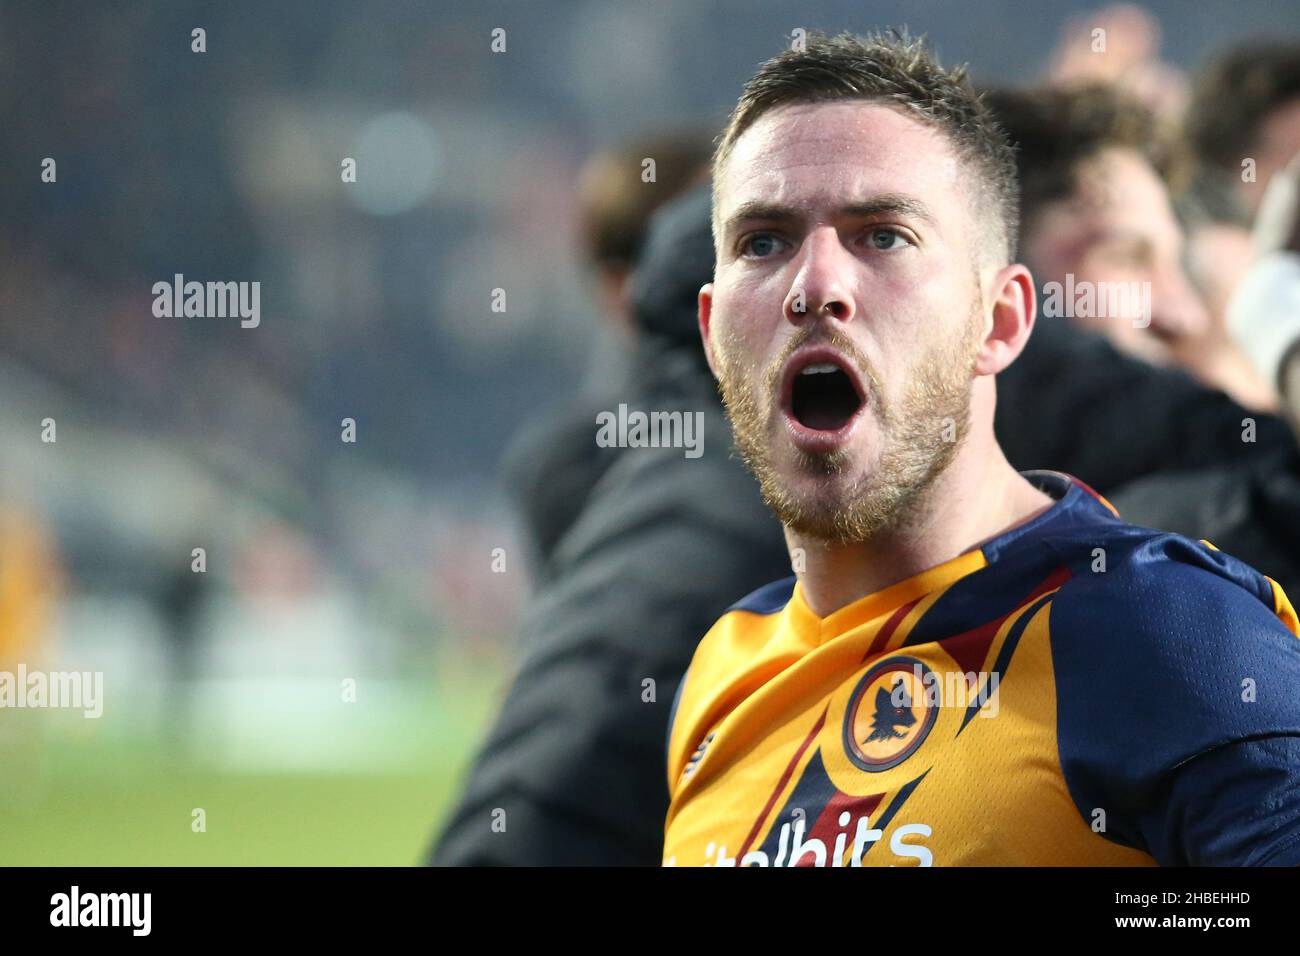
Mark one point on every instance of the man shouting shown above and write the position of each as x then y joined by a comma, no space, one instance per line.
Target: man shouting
971,666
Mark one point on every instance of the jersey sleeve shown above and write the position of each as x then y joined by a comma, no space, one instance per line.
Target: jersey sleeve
1236,805
1178,706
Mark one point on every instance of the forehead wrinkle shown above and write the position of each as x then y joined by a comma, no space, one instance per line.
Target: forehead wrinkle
898,144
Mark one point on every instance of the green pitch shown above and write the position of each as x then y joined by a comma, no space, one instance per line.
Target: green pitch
91,799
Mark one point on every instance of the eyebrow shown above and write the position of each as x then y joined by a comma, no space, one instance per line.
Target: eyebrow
757,210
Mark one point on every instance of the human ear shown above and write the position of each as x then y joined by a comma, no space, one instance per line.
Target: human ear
1011,314
705,318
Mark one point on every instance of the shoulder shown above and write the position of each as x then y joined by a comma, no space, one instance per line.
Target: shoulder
1173,652
1170,601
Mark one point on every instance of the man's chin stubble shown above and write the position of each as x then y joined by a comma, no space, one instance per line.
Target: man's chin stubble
843,512
837,509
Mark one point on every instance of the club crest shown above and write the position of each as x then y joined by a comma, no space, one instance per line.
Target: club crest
889,714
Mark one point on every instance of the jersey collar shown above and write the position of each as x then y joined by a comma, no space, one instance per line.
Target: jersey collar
1075,503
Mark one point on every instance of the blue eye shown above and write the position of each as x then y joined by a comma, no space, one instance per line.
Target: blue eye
886,239
757,245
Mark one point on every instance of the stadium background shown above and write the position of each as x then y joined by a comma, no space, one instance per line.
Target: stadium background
326,561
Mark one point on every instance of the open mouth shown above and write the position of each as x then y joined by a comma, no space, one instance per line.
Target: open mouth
823,397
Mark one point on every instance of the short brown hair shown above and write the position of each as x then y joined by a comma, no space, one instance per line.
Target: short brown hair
1234,95
1055,130
898,70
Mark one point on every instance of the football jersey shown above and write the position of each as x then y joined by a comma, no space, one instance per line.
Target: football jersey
1077,691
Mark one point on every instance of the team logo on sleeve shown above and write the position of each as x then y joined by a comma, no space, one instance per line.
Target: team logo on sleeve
889,714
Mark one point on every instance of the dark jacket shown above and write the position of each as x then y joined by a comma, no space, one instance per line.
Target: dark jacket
640,568
1073,403
634,573
550,469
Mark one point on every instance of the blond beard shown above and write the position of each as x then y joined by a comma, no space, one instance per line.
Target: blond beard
919,440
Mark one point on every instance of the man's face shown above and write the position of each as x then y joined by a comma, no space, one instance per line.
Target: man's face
1119,228
845,313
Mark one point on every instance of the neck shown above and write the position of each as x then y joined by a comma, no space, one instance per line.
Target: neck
978,497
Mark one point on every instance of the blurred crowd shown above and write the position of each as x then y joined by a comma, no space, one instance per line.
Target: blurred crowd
475,173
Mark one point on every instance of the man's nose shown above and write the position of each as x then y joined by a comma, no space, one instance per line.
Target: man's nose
822,281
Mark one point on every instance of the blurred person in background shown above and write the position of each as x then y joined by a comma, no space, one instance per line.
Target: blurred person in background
1243,132
1242,128
618,197
661,545
1106,398
554,461
1245,105
1098,214
641,549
